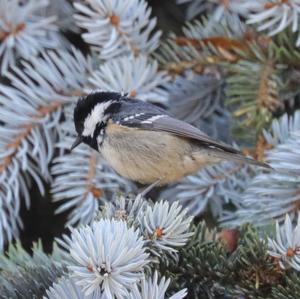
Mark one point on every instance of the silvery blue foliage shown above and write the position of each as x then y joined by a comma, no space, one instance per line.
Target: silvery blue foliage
275,16
63,10
199,100
196,7
211,187
165,226
282,129
274,193
220,10
126,208
63,246
286,245
107,258
193,97
117,27
203,28
151,288
27,275
137,76
31,108
67,289
23,33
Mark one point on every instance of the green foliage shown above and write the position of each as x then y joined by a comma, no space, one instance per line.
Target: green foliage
261,73
206,266
27,276
291,288
253,100
209,270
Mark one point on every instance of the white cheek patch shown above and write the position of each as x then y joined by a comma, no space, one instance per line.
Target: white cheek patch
96,116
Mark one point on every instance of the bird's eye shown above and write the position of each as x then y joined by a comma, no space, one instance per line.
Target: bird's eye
100,125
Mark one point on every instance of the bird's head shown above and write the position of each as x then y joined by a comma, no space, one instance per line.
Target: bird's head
91,115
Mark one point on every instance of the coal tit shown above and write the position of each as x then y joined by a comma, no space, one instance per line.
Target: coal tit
142,142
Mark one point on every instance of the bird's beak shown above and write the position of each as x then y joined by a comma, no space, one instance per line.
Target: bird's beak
77,141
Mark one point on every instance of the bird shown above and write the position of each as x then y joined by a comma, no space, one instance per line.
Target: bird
144,142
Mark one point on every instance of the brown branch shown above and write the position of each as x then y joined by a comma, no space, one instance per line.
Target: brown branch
42,111
115,21
258,153
13,31
226,43
27,128
226,52
91,187
228,49
225,46
270,5
267,96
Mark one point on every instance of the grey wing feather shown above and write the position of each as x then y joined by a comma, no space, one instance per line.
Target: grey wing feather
143,115
183,129
159,121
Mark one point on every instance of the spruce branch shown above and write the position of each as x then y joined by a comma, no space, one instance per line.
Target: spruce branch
26,150
290,289
119,249
30,110
255,101
203,45
221,9
117,28
275,16
148,288
152,288
213,187
208,270
126,208
27,276
286,247
107,258
272,195
137,76
23,33
63,11
165,226
66,288
193,97
199,100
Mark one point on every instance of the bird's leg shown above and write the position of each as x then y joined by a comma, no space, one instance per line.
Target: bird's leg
149,188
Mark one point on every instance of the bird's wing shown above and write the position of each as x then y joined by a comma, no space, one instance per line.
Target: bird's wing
166,123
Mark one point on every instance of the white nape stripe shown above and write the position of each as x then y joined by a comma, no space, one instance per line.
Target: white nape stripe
152,119
133,116
96,116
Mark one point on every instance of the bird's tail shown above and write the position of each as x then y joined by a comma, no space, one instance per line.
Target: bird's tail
238,158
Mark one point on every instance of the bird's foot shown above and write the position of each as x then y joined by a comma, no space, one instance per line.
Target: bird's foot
149,188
